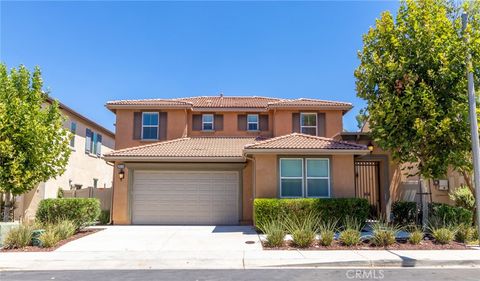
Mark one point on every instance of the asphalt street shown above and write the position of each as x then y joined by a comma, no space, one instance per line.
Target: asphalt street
401,274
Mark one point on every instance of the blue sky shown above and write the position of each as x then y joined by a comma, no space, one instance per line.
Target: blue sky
92,52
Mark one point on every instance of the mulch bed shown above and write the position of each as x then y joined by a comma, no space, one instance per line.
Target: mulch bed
78,235
425,245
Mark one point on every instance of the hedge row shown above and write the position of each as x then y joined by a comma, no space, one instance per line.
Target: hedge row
266,209
82,211
405,212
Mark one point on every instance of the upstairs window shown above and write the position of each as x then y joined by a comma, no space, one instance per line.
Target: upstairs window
207,122
308,123
150,125
93,142
73,130
252,122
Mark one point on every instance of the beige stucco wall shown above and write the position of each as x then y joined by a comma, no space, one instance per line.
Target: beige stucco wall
267,179
81,170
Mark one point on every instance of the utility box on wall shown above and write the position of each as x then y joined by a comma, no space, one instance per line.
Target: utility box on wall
441,185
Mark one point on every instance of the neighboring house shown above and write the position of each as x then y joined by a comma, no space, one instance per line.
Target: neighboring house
85,167
203,160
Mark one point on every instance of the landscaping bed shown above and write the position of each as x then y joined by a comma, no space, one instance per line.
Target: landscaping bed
425,245
78,235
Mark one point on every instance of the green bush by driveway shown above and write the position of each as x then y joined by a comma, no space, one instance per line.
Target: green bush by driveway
81,211
266,209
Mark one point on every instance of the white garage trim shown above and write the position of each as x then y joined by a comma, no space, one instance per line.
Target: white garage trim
185,197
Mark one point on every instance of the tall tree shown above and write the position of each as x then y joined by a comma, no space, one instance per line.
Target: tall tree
34,146
412,74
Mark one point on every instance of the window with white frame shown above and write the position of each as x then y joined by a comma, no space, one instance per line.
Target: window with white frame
207,122
304,177
308,123
150,125
252,122
73,130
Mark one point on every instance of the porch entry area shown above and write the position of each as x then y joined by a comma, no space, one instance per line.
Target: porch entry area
367,183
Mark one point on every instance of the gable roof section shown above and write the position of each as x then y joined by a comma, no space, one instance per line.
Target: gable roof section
315,103
205,149
298,143
229,102
225,103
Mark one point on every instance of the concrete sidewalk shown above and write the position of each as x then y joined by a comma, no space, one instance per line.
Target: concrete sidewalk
228,259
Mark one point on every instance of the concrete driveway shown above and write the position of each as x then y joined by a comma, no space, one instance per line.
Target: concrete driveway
168,239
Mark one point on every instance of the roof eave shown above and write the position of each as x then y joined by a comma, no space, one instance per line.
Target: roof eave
306,151
114,107
173,159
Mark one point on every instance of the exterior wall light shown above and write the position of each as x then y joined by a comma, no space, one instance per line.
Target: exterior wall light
370,147
121,173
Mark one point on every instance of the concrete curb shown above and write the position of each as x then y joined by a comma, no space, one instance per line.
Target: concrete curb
388,263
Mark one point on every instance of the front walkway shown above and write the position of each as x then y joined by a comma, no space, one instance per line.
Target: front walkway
211,247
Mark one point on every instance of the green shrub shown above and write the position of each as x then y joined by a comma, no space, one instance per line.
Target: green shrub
464,233
275,232
302,229
449,215
104,217
18,237
351,234
64,229
463,197
81,211
404,212
384,234
442,235
326,230
416,236
49,238
325,208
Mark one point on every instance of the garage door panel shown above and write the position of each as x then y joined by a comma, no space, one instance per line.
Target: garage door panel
185,197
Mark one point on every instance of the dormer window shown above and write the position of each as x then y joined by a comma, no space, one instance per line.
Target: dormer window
308,123
252,122
207,122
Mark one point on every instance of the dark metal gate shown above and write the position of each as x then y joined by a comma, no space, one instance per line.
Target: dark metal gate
367,183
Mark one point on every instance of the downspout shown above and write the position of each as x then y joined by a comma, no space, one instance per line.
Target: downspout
254,168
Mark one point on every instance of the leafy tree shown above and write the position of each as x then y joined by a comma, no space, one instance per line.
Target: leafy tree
361,118
34,146
412,74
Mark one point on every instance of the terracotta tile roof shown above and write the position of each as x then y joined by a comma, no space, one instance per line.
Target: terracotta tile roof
303,102
229,102
195,147
302,141
149,102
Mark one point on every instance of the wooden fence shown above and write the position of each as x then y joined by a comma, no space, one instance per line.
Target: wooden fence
103,194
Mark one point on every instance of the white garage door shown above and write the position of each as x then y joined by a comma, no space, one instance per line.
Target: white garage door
185,197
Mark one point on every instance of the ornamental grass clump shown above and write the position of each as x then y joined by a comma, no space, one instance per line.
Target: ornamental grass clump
443,235
19,237
275,232
302,229
416,236
326,231
351,235
49,238
384,234
64,229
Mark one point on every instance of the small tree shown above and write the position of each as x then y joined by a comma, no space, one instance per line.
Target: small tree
412,74
34,146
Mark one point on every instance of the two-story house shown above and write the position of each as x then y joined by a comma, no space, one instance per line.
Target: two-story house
203,160
85,167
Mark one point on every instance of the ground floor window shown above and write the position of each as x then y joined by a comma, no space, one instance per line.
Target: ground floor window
304,177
